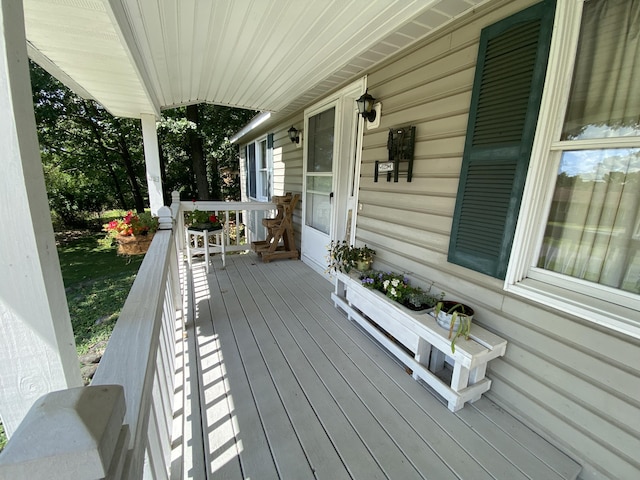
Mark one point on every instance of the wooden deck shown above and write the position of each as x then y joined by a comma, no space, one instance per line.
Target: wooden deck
279,384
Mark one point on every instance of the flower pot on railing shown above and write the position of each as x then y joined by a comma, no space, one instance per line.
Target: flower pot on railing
133,233
134,244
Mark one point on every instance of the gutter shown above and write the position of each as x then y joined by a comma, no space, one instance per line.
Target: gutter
254,123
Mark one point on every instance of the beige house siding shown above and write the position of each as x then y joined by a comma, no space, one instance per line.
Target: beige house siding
570,380
287,167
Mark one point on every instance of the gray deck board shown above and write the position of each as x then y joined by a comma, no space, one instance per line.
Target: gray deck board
289,388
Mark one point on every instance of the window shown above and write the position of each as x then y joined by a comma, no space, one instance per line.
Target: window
592,229
259,158
580,227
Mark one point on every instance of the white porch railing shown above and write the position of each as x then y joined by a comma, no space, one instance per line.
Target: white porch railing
120,427
242,220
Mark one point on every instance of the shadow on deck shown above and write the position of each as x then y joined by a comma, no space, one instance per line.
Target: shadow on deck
277,383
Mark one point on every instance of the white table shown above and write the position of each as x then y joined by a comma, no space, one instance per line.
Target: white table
206,243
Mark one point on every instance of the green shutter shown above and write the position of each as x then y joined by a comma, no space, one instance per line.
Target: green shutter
505,102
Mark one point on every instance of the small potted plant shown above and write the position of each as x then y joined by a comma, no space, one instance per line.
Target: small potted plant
421,300
344,257
200,220
133,233
456,317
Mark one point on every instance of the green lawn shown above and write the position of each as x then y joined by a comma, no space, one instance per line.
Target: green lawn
97,282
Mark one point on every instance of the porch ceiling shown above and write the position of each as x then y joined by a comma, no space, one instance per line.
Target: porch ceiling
139,56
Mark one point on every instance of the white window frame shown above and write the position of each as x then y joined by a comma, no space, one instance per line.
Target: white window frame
605,306
262,174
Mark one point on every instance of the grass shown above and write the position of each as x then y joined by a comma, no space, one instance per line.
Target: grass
97,282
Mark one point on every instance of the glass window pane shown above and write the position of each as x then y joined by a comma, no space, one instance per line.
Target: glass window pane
251,164
593,231
318,213
320,141
605,94
319,184
263,154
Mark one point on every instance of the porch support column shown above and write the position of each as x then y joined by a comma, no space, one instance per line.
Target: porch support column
152,161
37,347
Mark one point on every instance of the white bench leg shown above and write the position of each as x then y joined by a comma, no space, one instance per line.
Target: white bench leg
422,355
460,377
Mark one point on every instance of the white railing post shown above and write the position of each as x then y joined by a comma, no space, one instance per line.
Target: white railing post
58,440
169,219
176,211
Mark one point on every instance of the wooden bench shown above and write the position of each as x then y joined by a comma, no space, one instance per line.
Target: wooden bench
421,344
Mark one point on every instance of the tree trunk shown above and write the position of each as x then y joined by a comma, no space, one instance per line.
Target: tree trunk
103,149
116,183
197,155
166,194
131,173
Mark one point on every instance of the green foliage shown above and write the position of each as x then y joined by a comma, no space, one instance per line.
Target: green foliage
460,323
91,160
216,125
94,161
344,257
398,287
203,220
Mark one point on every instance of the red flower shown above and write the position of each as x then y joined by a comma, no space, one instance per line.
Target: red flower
213,219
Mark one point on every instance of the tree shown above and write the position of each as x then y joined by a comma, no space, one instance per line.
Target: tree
94,161
212,127
86,150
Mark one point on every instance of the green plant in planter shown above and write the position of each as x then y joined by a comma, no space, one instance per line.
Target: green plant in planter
201,220
418,299
460,323
344,257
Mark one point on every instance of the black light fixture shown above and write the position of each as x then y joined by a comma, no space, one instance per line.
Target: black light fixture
293,135
365,106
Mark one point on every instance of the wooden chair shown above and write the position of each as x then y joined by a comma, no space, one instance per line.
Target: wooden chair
279,228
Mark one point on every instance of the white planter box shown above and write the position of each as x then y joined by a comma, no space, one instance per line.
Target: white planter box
426,341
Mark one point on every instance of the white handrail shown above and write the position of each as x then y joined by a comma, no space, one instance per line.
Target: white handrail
136,370
247,223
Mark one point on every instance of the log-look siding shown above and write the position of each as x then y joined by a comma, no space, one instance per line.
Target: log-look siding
573,382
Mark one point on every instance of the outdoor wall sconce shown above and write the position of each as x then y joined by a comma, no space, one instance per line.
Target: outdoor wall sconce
369,109
294,135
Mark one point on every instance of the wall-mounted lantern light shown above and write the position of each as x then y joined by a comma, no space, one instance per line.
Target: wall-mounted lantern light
366,106
294,135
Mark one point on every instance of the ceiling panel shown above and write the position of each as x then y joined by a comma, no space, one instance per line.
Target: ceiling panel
137,56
